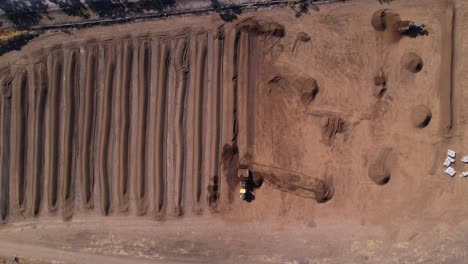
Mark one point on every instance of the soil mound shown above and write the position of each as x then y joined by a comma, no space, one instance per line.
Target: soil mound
421,116
412,62
378,20
385,19
380,170
298,85
261,26
380,82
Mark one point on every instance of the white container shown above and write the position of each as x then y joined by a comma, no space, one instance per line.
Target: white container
451,153
448,161
451,171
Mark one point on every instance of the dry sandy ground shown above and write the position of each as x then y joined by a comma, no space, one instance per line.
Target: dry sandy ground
123,143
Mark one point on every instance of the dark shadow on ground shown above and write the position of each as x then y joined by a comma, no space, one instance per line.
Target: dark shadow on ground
303,9
24,13
227,15
116,8
106,8
72,7
17,43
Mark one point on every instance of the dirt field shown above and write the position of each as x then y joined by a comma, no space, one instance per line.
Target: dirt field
123,143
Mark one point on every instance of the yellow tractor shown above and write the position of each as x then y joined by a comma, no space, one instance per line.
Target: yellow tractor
247,186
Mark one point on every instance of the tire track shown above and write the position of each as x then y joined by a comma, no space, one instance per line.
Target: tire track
216,95
124,139
247,72
87,147
20,98
250,100
181,65
104,146
295,183
446,74
235,86
161,130
243,66
198,129
231,117
144,69
70,142
54,111
5,148
40,86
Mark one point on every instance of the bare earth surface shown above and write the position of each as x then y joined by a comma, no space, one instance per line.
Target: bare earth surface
122,144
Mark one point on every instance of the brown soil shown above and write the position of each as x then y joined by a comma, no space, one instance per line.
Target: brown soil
412,62
380,171
421,116
378,20
134,134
